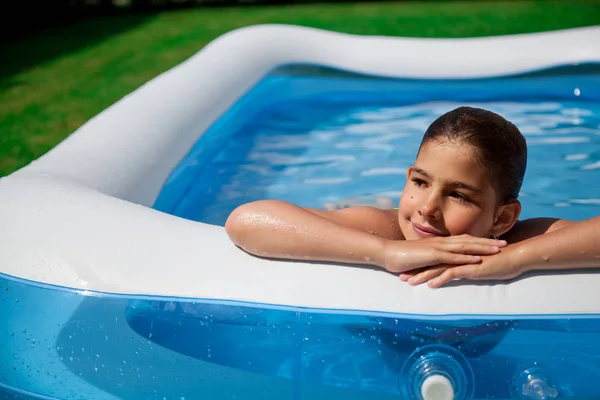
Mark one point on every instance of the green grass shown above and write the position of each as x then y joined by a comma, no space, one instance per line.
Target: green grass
52,83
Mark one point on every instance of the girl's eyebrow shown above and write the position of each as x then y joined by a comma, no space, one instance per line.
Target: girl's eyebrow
463,185
421,172
458,184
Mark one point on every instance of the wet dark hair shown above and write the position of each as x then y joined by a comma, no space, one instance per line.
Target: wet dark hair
501,146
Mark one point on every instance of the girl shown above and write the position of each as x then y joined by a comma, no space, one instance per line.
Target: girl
461,196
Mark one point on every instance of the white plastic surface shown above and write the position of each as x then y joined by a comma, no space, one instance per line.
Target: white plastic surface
437,387
79,216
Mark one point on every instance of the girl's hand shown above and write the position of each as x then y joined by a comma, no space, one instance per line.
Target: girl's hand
496,267
401,256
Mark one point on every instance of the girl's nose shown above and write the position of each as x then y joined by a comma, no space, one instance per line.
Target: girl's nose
430,208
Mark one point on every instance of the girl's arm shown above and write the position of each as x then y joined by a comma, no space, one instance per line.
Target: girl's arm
277,229
355,235
576,245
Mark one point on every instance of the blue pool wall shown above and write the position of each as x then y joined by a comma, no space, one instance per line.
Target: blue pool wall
62,343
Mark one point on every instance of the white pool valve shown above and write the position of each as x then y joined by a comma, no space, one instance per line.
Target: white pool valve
437,387
437,372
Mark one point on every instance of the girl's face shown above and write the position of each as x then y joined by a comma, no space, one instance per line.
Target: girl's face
447,193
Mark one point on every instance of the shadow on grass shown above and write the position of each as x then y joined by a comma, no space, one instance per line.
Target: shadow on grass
49,43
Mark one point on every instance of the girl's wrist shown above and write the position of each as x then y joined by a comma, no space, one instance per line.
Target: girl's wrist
376,252
523,259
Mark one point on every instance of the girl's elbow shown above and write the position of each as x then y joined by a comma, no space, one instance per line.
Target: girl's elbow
249,218
240,221
235,223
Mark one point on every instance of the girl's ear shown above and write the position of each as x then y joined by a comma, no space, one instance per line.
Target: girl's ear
506,217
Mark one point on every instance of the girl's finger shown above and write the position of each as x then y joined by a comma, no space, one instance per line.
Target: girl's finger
470,248
405,276
464,271
426,275
478,240
458,259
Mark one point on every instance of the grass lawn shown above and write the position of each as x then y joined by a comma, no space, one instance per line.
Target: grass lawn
52,83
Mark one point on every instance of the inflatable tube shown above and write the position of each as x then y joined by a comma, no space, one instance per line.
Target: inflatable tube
105,297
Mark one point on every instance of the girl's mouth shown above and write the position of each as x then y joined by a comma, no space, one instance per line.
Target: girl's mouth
425,231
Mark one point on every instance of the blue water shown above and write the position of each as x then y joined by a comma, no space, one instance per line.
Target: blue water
321,140
335,140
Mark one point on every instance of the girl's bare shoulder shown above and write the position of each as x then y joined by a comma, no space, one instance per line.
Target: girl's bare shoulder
373,220
529,228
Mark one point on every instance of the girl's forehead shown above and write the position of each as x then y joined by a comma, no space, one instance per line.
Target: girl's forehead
449,149
452,161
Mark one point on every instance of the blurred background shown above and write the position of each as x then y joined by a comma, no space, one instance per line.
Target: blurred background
64,61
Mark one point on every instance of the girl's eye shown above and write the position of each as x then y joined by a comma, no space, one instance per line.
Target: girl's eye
419,182
460,197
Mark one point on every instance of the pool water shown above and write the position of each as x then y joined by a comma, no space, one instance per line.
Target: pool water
331,140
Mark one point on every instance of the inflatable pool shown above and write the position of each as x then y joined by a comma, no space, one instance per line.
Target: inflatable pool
117,279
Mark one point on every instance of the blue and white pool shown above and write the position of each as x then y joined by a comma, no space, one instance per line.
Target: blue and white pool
117,280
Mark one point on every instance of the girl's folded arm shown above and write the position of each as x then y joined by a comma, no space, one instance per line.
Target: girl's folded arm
576,245
273,228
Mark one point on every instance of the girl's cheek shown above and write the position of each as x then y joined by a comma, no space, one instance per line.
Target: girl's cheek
465,222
